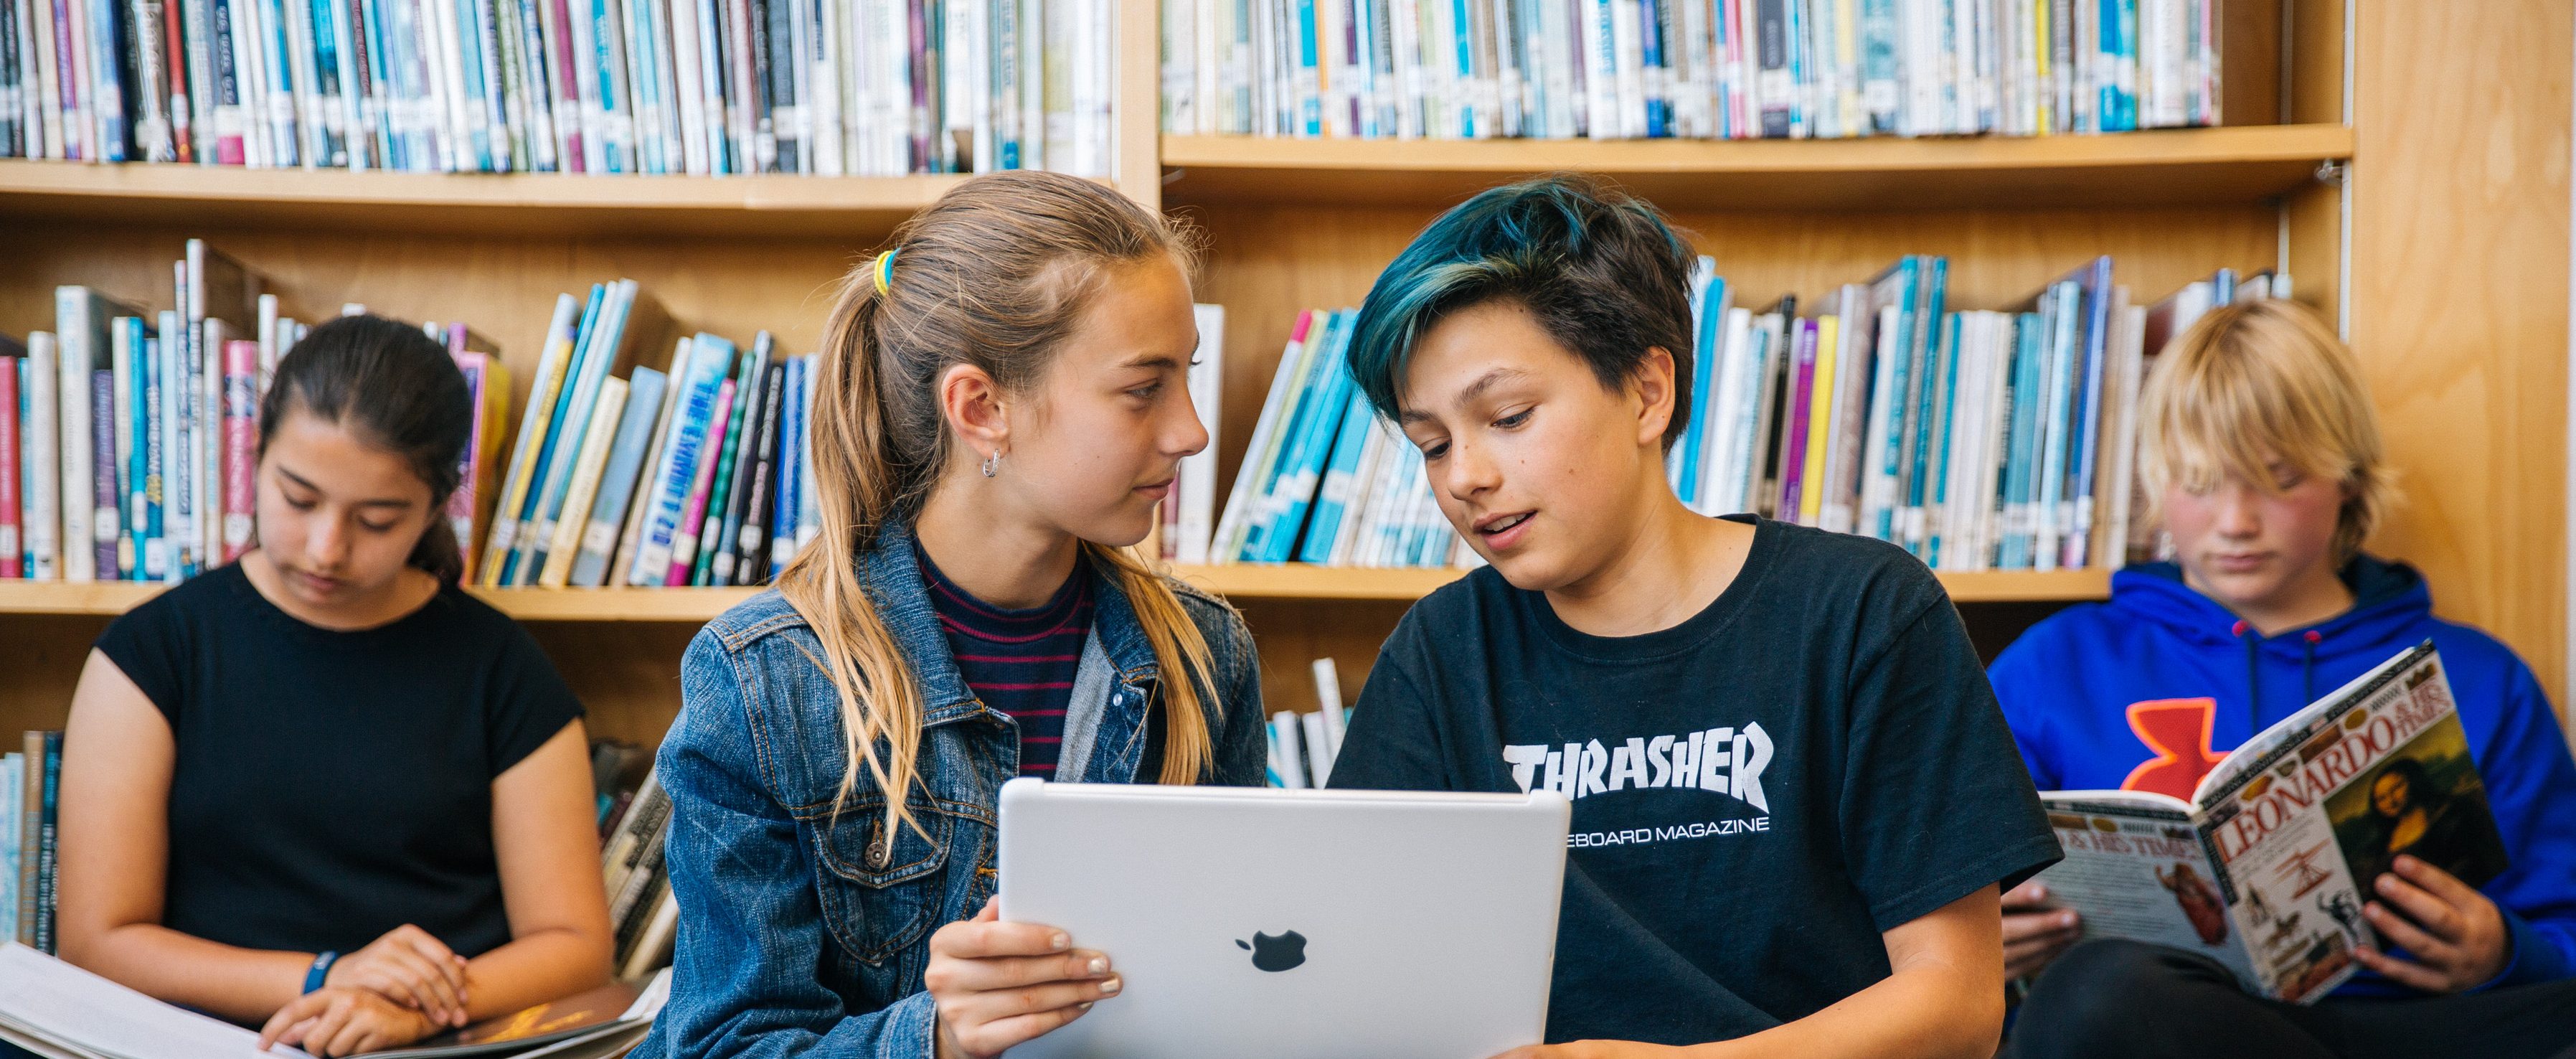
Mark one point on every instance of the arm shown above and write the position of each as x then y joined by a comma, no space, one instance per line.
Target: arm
744,980
546,841
118,753
1942,999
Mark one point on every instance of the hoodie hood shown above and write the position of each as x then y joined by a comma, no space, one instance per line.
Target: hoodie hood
2391,605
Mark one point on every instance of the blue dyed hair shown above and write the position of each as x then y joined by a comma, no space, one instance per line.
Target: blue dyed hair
1598,268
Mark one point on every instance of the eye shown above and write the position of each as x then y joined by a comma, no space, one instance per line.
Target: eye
1148,391
298,503
1435,450
1515,420
374,528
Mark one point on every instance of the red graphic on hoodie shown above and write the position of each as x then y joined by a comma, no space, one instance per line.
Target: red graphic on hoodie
2178,731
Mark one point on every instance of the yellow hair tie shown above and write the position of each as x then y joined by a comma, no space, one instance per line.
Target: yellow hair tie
885,271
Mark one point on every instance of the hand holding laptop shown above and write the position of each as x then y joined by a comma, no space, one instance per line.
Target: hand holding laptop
999,984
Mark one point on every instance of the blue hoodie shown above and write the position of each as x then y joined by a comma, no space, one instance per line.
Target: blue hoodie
2087,688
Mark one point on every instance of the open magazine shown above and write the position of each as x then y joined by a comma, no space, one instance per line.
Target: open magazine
2267,867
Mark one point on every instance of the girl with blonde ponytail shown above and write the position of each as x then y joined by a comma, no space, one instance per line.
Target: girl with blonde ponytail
1001,401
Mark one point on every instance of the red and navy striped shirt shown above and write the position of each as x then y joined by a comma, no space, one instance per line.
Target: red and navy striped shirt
1020,662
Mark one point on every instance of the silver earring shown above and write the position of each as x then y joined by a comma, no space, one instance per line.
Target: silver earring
992,464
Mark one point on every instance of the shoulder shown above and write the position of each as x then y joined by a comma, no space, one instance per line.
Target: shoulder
2056,640
1218,621
746,624
1841,569
188,601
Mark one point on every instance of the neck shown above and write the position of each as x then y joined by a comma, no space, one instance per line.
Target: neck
1009,562
384,604
1632,592
2307,599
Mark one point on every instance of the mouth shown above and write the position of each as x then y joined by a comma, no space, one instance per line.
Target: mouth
1157,490
2237,562
1504,530
316,583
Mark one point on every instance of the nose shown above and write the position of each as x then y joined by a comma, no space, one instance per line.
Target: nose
2237,511
326,543
1469,471
1188,436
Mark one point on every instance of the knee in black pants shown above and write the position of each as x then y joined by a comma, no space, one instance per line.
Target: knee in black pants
2113,997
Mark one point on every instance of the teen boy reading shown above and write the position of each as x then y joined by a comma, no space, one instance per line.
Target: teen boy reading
1795,800
2263,460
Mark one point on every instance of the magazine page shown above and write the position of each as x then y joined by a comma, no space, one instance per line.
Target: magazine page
2135,869
2380,767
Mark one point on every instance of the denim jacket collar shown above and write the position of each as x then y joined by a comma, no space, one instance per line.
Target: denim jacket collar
894,582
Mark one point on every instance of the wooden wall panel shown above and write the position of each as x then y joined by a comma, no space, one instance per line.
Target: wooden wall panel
2460,299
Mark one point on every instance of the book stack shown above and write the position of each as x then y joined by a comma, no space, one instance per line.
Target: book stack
641,911
29,786
868,88
1303,745
1702,69
1977,439
1324,480
132,434
693,474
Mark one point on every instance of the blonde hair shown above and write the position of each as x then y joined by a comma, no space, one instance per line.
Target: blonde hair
993,275
2260,381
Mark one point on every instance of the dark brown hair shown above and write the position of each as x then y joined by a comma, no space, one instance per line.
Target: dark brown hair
396,388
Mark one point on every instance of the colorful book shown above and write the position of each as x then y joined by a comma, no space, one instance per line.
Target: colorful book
617,481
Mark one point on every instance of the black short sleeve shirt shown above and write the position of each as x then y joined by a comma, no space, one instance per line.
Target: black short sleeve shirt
331,786
1759,792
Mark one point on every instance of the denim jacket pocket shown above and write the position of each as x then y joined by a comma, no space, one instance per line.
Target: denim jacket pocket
883,888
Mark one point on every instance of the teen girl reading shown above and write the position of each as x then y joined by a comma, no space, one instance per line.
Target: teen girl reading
322,790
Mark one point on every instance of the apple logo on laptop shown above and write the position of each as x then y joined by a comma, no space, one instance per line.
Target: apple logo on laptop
1281,953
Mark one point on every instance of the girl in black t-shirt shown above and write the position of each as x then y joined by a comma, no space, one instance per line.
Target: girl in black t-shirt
322,790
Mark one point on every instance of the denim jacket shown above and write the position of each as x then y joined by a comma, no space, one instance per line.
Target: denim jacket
803,932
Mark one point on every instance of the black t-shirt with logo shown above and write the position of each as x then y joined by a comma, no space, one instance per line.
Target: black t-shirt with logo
1758,792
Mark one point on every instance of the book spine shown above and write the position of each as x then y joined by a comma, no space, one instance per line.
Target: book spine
31,830
782,520
693,518
745,458
720,495
104,549
752,546
46,870
241,443
43,489
584,489
533,424
675,469
12,548
617,483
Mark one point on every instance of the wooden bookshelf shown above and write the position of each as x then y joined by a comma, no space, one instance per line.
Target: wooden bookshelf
463,203
2460,214
2229,164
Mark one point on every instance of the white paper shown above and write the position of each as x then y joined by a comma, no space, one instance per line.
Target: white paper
48,998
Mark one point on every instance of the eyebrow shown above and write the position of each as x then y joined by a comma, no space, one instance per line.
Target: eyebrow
1491,378
300,480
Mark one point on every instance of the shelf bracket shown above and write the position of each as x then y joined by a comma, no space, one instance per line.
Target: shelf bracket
2331,171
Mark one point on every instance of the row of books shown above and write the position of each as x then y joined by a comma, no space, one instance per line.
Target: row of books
29,784
1977,439
872,87
1324,480
128,435
1302,746
693,474
1709,69
635,817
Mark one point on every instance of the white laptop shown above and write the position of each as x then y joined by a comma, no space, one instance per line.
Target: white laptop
1272,924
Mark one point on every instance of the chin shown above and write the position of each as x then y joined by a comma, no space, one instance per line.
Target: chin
1527,571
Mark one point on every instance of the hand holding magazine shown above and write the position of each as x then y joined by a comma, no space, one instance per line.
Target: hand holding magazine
2268,866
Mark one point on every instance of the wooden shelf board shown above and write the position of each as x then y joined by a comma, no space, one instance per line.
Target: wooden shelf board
1290,581
1297,581
466,203
2241,163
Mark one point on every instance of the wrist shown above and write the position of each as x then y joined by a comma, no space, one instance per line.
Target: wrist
318,974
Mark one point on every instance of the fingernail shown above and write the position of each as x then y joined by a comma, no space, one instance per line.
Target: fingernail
1099,965
1085,1005
2066,919
1058,940
2039,893
1109,986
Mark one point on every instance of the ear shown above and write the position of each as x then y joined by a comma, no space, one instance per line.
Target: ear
971,404
1651,385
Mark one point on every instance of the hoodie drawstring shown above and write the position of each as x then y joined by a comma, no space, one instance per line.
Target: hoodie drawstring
2308,642
2253,677
2308,668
